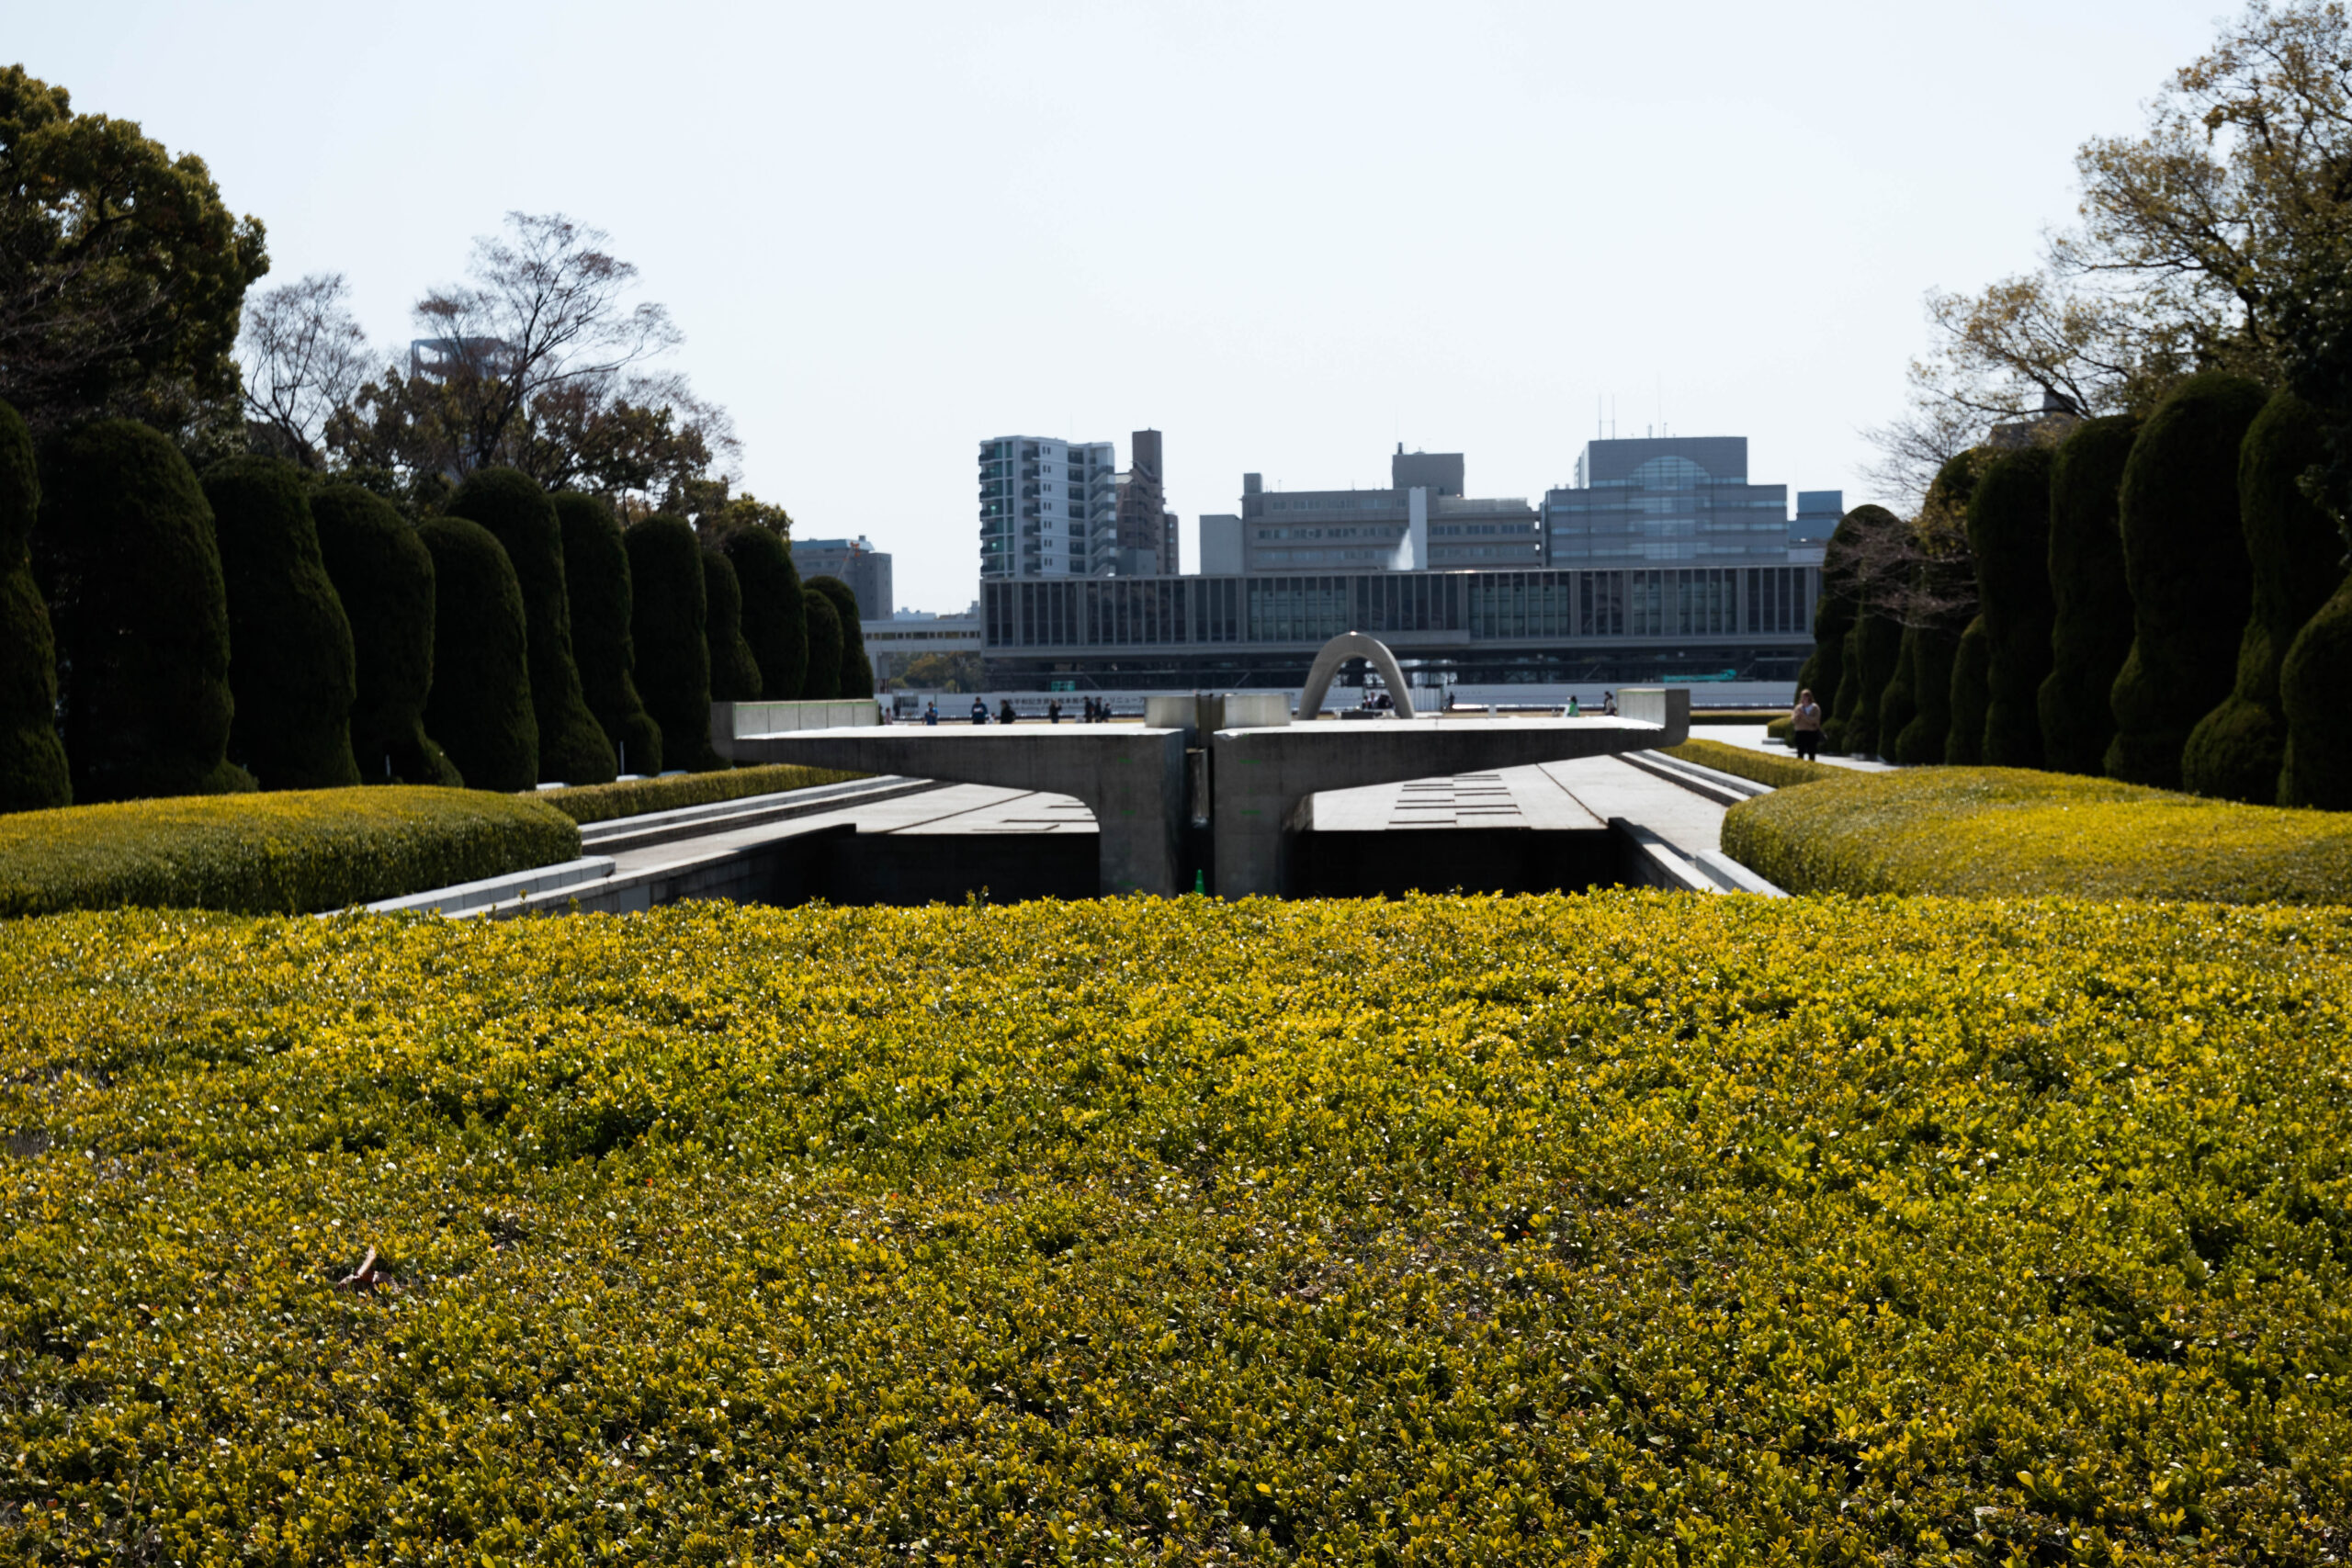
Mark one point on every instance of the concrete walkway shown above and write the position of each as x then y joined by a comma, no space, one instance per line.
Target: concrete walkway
1583,793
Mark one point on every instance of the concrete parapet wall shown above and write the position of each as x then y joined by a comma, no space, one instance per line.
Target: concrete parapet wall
728,720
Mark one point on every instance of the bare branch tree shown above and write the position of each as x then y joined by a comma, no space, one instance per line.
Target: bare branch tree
545,311
303,356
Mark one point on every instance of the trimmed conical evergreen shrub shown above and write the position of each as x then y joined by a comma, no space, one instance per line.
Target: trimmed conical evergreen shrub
2312,680
669,620
858,670
1898,704
734,673
1971,672
1878,643
33,775
125,557
776,618
2008,533
824,681
290,665
383,574
2236,752
1943,591
2090,630
2184,555
572,746
596,576
480,707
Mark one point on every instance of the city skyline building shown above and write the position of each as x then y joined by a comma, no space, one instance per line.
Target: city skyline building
1146,542
1045,505
1672,499
856,562
1421,522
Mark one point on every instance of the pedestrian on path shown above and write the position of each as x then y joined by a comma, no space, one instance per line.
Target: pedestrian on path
980,710
1804,727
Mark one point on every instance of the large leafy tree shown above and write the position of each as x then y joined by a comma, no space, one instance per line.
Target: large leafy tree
2217,237
121,270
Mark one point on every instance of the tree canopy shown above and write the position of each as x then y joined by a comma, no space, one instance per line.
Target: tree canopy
121,270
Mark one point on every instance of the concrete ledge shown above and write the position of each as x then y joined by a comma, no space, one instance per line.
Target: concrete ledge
1724,789
654,828
471,898
1645,859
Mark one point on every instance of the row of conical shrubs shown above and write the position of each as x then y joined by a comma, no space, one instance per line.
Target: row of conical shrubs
2158,601
162,634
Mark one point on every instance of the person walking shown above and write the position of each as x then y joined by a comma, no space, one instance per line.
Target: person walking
980,710
931,713
1609,703
1804,727
1004,714
1054,711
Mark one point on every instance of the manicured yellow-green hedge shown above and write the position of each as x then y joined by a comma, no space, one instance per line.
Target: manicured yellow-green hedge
1781,728
2009,832
601,802
1734,716
1747,762
1628,1228
258,854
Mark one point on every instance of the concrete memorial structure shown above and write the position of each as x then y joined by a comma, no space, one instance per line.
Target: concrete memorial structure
1260,770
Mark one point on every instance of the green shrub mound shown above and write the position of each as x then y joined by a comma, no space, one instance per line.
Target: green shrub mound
857,671
573,748
480,707
32,760
2090,629
2317,767
2185,558
595,575
734,673
1745,762
2010,832
282,852
1972,661
2008,533
2236,752
1497,1231
668,621
604,803
383,575
125,558
824,679
776,621
290,667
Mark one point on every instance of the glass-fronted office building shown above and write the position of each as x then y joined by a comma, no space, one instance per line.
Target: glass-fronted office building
1679,500
1610,626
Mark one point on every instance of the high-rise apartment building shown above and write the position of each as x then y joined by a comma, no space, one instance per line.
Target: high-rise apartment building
856,562
1048,507
1146,544
1666,500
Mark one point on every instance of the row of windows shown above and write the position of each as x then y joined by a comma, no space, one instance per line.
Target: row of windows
1383,531
1372,500
1136,611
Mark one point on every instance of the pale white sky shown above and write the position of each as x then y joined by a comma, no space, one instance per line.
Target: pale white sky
1288,235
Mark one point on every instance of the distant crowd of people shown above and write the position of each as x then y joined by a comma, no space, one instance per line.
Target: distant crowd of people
1091,710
